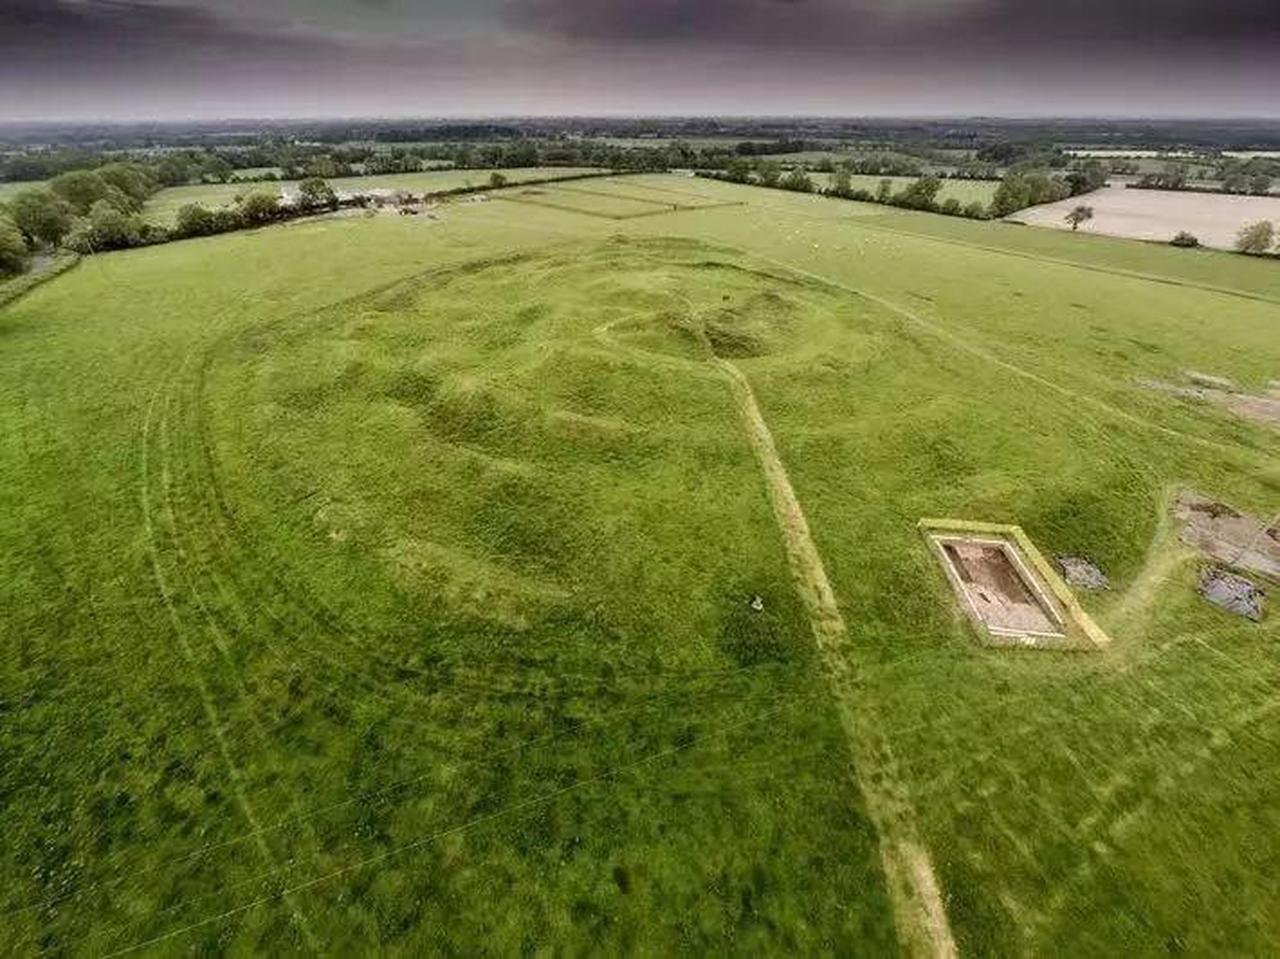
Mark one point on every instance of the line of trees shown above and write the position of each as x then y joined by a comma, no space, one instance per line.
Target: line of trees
81,210
920,194
286,160
94,211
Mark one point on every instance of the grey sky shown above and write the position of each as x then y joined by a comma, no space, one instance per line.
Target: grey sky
172,58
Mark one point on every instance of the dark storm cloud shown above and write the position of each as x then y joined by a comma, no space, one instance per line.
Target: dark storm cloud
109,37
948,26
89,58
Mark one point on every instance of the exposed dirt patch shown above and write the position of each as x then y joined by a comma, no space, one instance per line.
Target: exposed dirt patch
1082,573
1230,536
1233,593
998,589
1261,407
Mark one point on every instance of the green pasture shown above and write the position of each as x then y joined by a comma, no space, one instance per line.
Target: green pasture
376,585
164,206
966,191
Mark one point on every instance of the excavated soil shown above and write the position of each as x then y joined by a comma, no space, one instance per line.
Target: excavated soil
996,589
1261,407
1232,593
1229,536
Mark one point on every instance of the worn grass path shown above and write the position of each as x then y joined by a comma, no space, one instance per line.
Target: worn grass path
917,899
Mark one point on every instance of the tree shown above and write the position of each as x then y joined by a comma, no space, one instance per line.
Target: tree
950,206
113,228
130,179
1080,214
1260,184
1019,190
1173,177
1185,239
105,228
920,194
770,172
841,182
738,170
797,180
215,169
884,190
41,216
81,189
976,211
497,180
173,170
1256,238
194,220
316,194
13,248
1092,176
259,208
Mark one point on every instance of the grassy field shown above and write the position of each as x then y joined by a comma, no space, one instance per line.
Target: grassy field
377,586
164,206
966,191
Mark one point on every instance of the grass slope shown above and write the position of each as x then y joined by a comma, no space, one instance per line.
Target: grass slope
429,551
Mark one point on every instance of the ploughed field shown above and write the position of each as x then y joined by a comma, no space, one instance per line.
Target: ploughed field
1215,219
385,583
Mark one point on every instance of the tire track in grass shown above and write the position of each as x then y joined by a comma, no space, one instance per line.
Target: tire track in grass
913,886
188,654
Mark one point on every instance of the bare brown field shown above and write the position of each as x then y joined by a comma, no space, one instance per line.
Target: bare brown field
1213,218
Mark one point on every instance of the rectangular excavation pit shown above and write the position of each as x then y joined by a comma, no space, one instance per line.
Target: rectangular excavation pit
1007,589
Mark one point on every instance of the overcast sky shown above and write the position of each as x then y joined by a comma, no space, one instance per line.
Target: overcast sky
136,59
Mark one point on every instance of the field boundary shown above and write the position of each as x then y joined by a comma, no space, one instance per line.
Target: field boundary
708,201
20,286
862,221
616,217
1093,267
914,891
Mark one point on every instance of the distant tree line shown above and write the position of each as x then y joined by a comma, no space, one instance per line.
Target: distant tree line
920,194
94,211
283,160
1255,176
1020,188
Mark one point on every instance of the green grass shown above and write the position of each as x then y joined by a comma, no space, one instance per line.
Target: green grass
164,206
431,550
966,191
